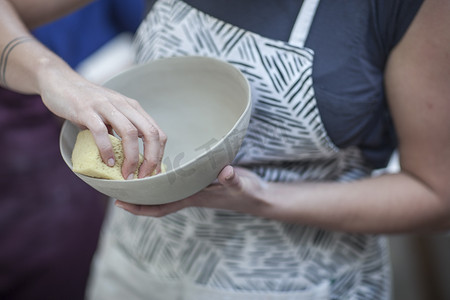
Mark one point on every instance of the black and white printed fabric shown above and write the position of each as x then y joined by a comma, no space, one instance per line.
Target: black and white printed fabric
215,254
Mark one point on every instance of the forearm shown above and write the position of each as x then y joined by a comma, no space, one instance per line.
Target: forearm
384,204
35,13
24,61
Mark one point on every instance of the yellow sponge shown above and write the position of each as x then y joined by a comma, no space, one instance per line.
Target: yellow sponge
86,158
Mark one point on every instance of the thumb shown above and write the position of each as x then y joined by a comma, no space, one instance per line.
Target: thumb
229,178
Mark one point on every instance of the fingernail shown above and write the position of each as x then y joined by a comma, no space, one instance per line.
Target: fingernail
119,205
131,176
230,175
111,162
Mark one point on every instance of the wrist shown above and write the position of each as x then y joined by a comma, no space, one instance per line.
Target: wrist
50,69
270,200
284,202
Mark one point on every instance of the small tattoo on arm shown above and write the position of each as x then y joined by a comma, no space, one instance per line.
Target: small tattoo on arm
5,55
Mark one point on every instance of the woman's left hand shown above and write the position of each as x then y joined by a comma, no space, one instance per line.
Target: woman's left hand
235,189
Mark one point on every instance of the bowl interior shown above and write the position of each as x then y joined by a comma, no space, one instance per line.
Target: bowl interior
196,101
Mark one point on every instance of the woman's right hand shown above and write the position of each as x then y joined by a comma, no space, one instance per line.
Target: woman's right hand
29,67
91,106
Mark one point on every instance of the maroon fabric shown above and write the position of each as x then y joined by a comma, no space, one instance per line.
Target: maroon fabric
49,219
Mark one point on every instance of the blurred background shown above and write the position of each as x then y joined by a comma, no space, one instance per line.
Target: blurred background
99,50
421,267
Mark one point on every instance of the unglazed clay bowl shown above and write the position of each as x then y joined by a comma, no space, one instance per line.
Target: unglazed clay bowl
202,104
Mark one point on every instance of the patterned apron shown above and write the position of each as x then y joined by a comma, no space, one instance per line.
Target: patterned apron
200,253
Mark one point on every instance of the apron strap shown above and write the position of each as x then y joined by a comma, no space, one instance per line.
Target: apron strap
303,23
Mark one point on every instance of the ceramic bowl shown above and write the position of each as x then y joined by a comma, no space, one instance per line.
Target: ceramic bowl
202,104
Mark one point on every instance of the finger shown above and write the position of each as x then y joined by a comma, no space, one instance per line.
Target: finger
163,142
153,138
229,178
152,151
151,210
129,134
100,133
162,136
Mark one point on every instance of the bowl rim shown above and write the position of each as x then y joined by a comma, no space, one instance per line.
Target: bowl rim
189,162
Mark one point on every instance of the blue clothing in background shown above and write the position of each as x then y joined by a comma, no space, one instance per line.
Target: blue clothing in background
78,35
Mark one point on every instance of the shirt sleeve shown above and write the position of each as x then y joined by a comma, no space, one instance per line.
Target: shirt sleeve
394,18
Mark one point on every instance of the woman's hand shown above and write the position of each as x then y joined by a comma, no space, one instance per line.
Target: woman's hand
29,67
235,189
99,109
